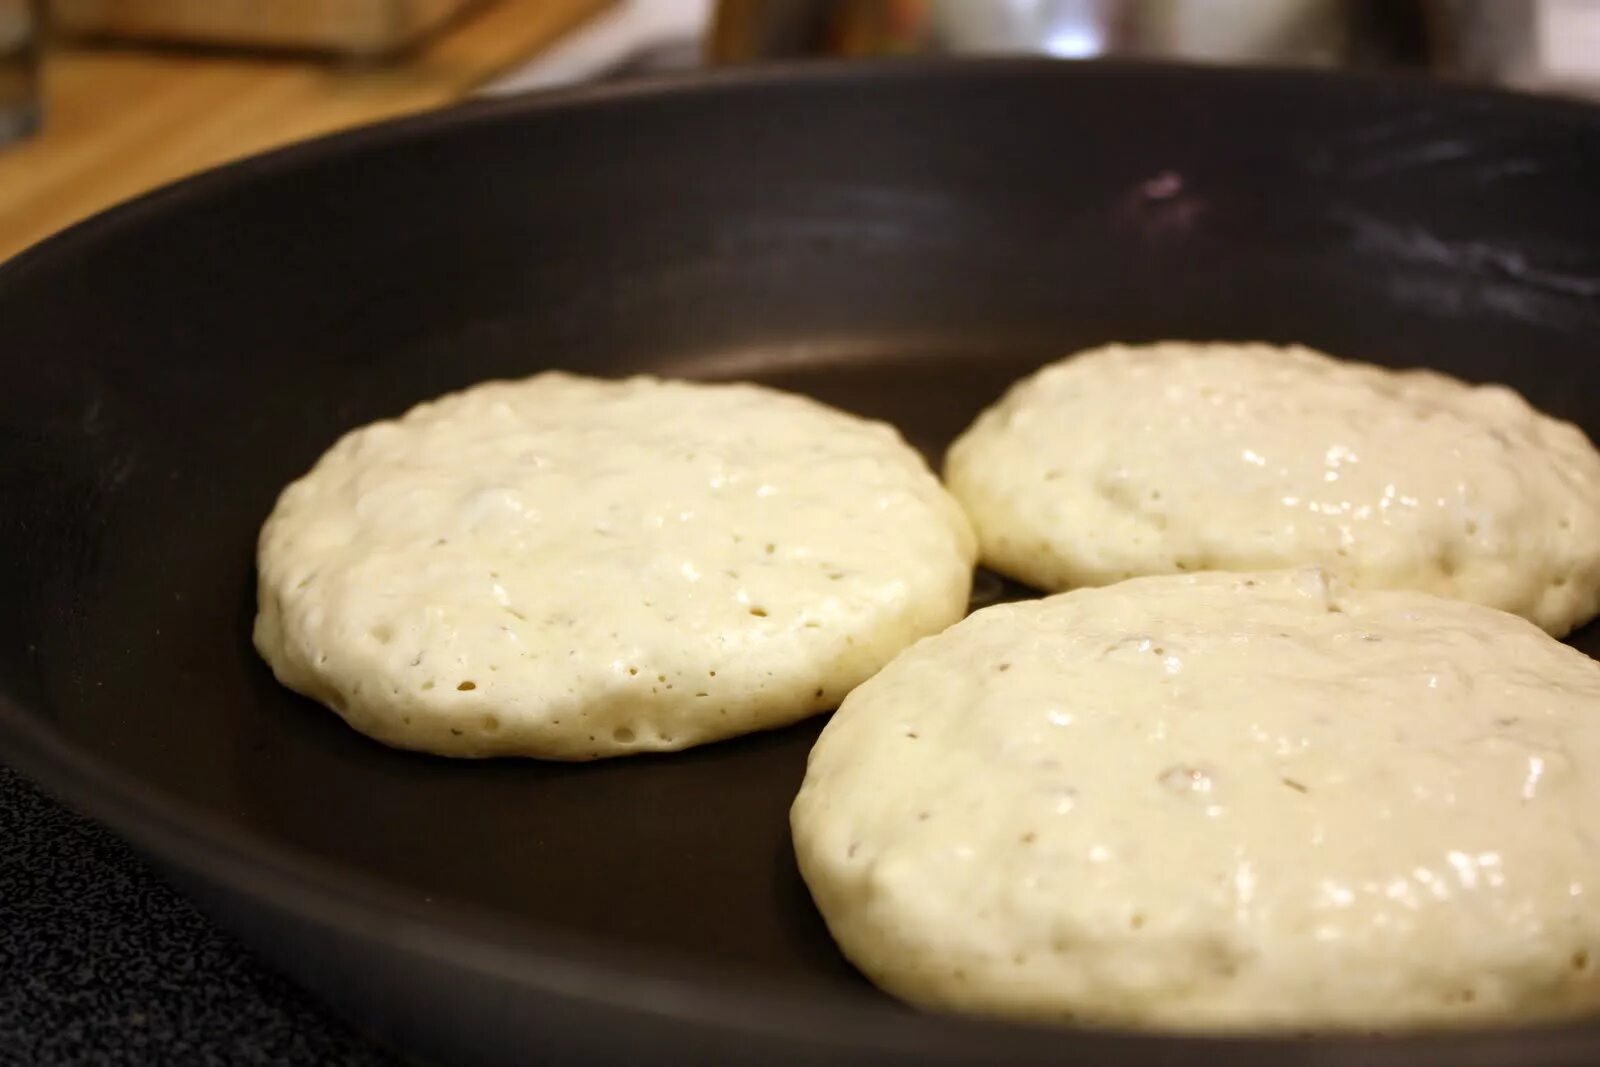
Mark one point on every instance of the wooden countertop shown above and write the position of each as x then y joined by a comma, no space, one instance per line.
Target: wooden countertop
120,121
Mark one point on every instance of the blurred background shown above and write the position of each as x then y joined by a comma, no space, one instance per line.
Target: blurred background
103,99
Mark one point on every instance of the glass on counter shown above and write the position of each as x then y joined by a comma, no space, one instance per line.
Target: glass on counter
19,69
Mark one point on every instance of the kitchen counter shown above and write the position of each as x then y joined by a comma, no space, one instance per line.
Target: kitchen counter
121,120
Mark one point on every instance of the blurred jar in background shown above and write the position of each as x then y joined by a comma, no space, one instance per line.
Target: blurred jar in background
19,69
1276,32
1309,32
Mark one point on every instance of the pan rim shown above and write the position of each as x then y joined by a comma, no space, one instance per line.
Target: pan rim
276,877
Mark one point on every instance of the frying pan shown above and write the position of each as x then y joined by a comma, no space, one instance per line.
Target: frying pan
902,240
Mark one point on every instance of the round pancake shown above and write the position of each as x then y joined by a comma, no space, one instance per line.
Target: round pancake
572,568
1173,457
1219,801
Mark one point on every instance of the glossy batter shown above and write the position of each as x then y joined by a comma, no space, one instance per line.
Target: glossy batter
1174,457
571,568
1219,801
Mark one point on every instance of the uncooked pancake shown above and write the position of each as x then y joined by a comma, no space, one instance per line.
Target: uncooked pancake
571,568
1126,461
1219,801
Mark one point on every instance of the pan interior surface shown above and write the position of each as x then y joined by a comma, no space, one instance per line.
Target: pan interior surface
901,241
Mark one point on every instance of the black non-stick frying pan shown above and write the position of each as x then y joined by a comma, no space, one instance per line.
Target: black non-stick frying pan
900,240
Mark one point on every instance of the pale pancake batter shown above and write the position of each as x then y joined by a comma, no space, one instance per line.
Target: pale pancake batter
572,568
1173,457
1219,801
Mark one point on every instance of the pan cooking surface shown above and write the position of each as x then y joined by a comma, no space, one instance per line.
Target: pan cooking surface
902,243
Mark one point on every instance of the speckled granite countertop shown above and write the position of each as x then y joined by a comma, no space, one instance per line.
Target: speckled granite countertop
102,963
